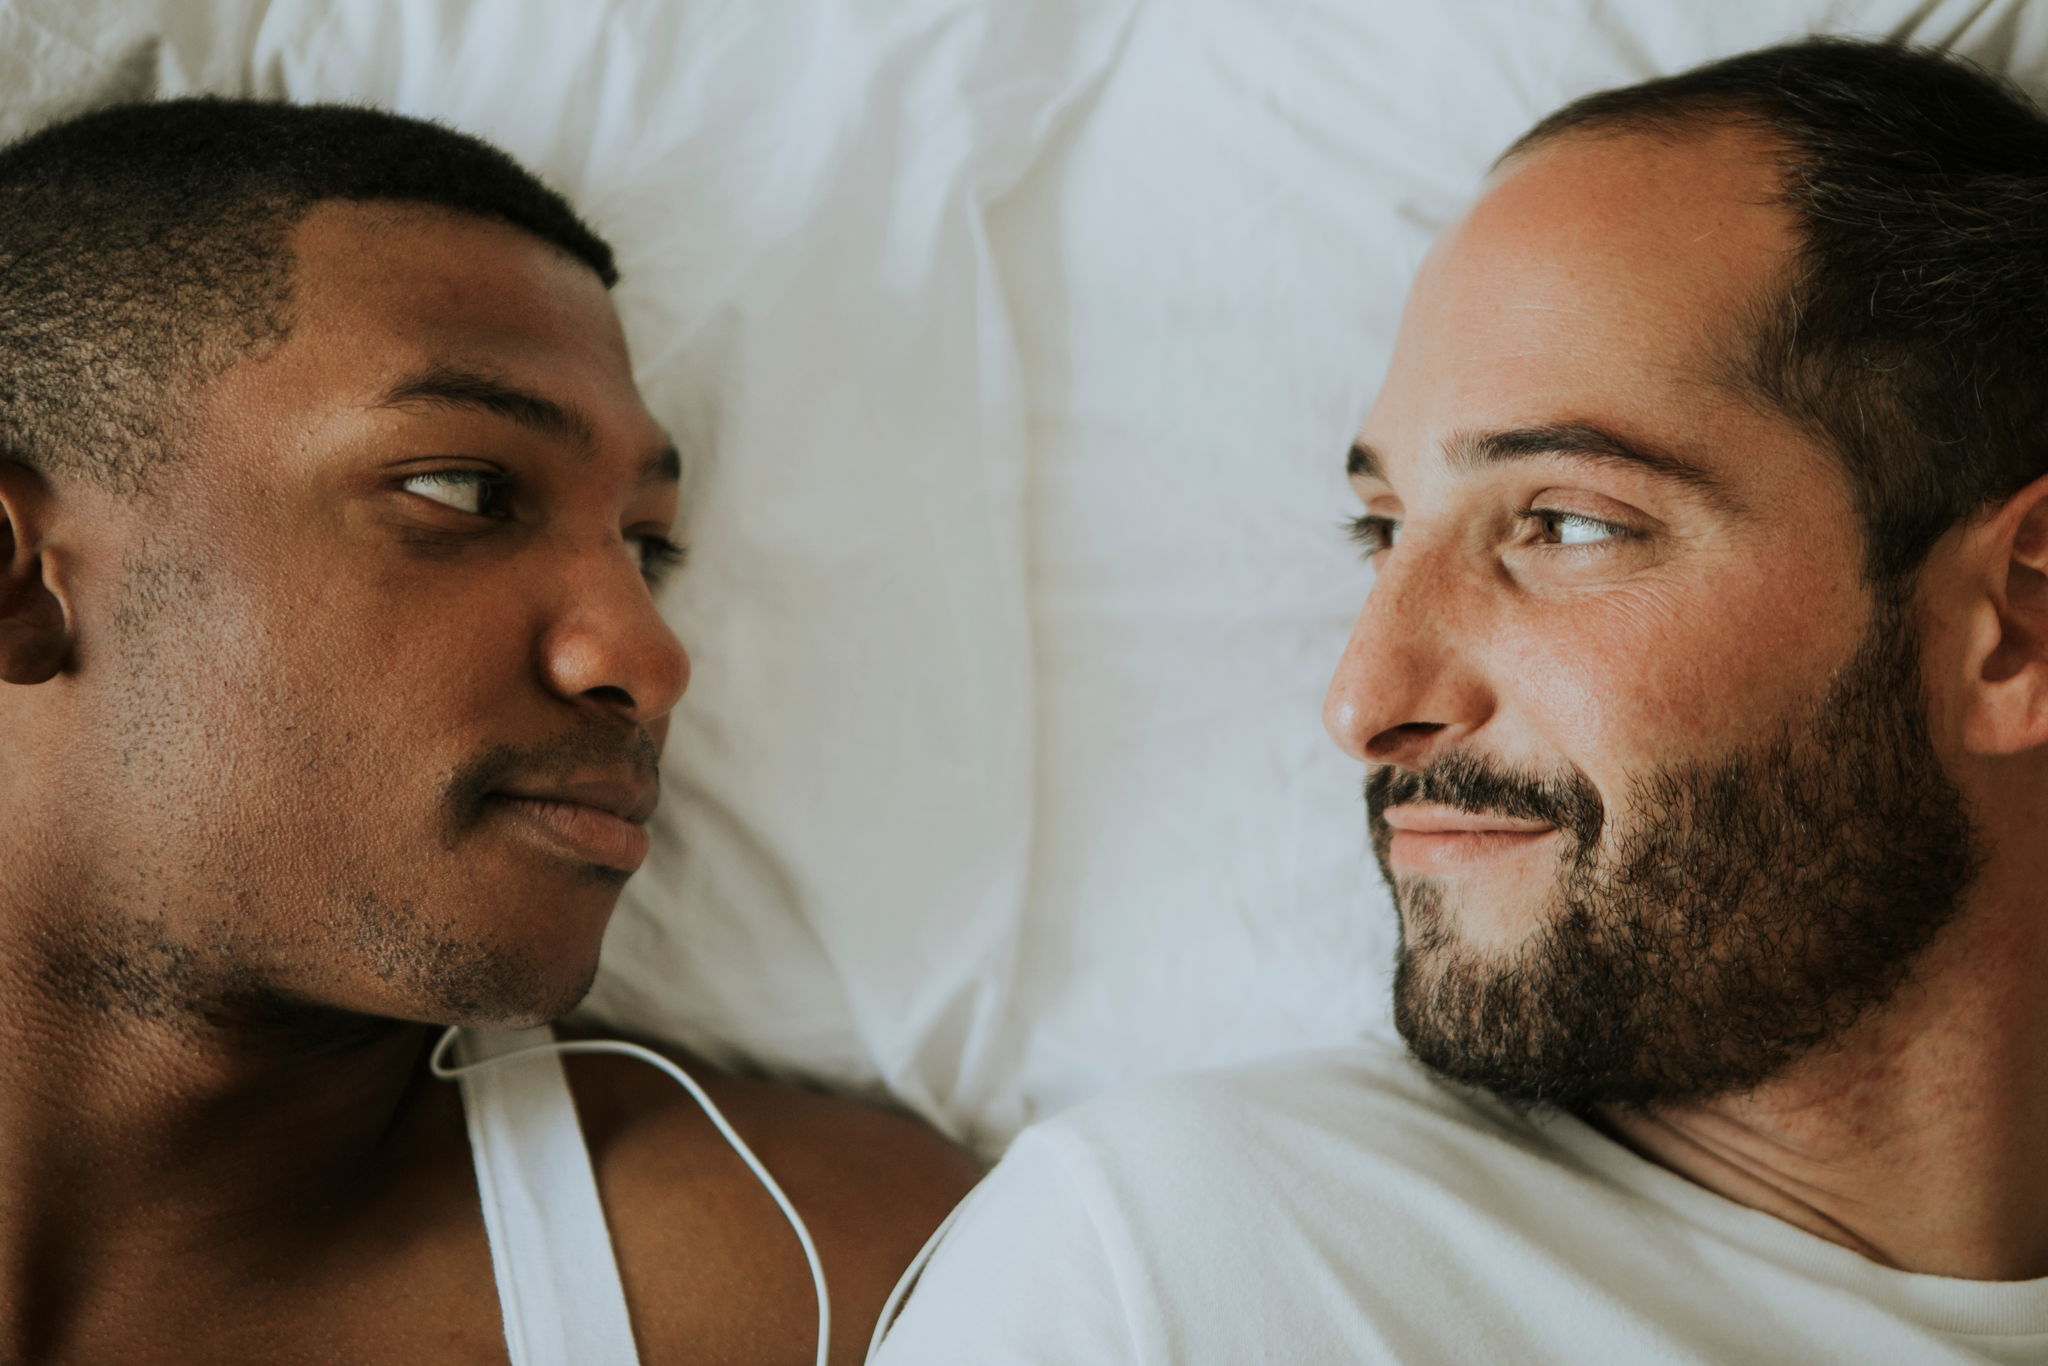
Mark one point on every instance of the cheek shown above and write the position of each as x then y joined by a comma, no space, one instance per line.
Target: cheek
381,675
1640,675
308,722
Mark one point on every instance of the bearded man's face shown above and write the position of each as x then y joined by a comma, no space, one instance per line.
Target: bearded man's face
1732,915
1651,774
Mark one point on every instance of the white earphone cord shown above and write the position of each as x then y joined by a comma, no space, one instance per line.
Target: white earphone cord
441,1069
908,1281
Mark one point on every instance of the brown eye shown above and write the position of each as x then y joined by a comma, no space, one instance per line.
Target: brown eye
1575,529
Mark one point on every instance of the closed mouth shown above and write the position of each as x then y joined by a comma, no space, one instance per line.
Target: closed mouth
601,821
1447,820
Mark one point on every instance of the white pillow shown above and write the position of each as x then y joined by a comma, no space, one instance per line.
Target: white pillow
1015,349
57,60
1205,276
796,194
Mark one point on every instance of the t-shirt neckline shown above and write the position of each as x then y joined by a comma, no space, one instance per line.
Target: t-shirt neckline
1943,1303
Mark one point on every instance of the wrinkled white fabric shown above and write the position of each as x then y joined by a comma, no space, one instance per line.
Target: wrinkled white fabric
797,195
1014,349
1344,1208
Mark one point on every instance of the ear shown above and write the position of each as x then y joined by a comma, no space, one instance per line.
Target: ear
35,628
2008,708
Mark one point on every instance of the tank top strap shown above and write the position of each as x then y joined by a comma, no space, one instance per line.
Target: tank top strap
558,1280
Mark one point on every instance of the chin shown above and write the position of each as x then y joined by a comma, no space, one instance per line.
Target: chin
450,972
1463,916
501,999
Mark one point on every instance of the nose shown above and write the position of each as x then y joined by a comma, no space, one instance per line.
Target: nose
608,648
1403,692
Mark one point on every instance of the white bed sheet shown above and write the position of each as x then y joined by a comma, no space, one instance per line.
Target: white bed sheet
1014,349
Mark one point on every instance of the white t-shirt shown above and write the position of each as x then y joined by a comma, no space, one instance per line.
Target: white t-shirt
1345,1207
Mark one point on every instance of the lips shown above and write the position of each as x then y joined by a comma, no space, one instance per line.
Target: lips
1448,820
625,798
1442,839
595,820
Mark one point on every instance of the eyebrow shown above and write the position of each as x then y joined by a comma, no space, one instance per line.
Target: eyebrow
446,387
1470,451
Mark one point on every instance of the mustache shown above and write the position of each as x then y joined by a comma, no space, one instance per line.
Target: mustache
1567,800
592,745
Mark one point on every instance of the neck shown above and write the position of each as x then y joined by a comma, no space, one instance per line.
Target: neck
1913,1140
154,1118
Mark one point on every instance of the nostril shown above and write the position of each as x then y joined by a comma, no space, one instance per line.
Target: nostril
1400,742
616,697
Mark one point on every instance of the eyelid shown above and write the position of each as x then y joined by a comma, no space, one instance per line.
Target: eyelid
668,550
659,552
487,481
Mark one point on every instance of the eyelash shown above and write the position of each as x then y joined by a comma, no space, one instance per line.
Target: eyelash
658,553
1372,533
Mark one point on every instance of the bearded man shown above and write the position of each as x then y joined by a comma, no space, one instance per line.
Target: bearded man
1703,692
331,688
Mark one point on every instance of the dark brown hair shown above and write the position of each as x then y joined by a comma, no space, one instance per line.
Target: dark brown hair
144,248
1914,337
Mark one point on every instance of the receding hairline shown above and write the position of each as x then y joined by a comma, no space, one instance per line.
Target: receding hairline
1909,339
1711,118
1737,332
1747,329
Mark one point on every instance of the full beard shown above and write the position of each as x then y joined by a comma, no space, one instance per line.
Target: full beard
1749,910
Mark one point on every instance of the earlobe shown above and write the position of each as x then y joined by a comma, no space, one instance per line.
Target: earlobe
35,636
2009,713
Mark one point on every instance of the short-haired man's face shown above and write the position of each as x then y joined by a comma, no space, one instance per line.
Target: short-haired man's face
359,677
1653,782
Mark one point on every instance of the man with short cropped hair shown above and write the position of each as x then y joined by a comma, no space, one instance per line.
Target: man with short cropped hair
331,689
1703,693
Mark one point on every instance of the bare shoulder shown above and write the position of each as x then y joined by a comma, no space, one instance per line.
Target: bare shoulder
712,1270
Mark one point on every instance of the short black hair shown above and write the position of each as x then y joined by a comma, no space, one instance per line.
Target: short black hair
1913,339
144,249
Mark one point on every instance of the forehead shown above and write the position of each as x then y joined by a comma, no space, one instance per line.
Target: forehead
395,273
1606,279
385,291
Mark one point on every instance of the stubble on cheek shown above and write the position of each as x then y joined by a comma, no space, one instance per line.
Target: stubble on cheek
278,831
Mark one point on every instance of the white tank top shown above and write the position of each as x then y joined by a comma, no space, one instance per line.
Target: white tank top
558,1282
